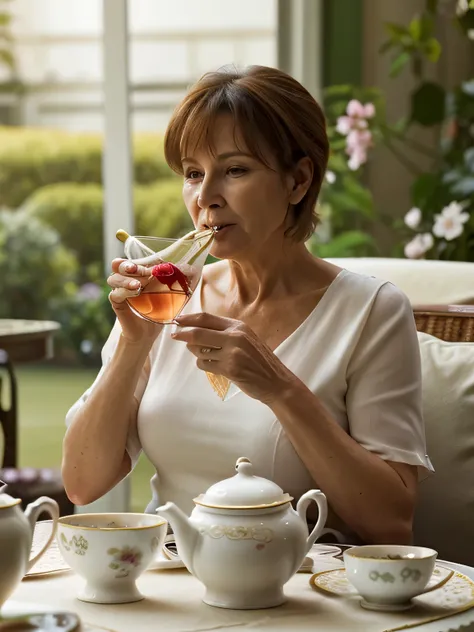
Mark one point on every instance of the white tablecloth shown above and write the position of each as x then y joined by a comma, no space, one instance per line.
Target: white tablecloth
173,604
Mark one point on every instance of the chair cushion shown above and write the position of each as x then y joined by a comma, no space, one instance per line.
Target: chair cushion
445,513
424,282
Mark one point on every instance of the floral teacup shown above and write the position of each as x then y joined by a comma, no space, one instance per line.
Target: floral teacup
389,576
110,551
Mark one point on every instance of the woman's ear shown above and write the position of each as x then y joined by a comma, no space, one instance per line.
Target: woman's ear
302,178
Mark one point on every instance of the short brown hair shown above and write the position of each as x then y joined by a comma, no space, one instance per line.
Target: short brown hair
267,105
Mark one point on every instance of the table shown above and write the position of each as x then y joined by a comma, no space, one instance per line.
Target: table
173,604
20,341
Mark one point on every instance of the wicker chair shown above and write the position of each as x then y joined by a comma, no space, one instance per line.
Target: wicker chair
452,323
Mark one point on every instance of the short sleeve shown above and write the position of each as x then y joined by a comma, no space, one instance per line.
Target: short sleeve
133,445
384,394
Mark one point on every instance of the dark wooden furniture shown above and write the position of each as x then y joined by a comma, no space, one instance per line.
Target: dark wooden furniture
24,341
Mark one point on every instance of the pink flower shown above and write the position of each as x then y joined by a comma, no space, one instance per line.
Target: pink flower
354,126
355,109
344,125
357,144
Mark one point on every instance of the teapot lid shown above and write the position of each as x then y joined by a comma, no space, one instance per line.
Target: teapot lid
7,501
243,491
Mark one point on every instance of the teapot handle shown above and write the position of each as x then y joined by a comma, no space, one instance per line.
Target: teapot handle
302,507
32,513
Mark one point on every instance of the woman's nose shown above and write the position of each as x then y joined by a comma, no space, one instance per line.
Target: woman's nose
209,195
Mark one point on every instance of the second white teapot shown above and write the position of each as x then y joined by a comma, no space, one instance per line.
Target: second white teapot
244,540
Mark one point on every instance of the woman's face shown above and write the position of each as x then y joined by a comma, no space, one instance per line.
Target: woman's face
227,187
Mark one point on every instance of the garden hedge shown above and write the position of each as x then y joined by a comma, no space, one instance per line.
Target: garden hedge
31,158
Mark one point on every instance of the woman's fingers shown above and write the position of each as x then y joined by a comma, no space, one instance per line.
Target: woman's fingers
119,295
118,281
207,354
199,337
129,268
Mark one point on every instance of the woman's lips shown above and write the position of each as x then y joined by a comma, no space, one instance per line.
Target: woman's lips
222,230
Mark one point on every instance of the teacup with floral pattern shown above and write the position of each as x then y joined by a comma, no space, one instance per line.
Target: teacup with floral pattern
389,576
110,551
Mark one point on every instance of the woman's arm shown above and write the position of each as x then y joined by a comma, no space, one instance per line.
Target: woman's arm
94,448
375,496
94,454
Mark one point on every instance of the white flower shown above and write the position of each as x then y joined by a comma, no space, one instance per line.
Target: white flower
462,7
413,218
86,346
331,177
419,245
449,224
470,34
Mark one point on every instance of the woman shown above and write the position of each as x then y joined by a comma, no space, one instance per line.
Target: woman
327,361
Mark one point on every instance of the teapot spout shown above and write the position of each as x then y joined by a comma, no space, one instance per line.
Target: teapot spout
186,534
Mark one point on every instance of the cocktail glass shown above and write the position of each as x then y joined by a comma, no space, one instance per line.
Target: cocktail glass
175,269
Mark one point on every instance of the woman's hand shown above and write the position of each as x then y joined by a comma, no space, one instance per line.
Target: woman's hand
126,280
236,352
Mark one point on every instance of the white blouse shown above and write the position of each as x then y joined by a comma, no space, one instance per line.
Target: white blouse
357,351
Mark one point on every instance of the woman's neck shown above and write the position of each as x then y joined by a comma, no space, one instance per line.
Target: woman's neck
271,274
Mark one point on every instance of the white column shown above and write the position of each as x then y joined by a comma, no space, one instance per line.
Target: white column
117,163
117,175
300,24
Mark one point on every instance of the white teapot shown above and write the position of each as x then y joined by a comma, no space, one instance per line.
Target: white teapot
244,540
16,535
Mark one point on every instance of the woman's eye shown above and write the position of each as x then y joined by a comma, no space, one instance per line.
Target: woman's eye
236,171
193,174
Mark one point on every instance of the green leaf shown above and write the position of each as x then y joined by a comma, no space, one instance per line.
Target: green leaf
415,29
423,189
351,243
401,126
338,162
6,57
361,196
428,104
469,158
396,31
399,63
463,187
5,19
432,49
338,90
339,144
113,551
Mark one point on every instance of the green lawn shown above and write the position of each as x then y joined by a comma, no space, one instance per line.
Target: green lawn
45,395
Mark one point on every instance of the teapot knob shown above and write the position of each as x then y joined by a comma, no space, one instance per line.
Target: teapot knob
244,466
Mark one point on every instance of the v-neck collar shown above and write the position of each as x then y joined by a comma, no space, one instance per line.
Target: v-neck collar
331,288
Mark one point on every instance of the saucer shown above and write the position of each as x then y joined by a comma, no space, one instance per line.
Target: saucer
50,621
335,582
